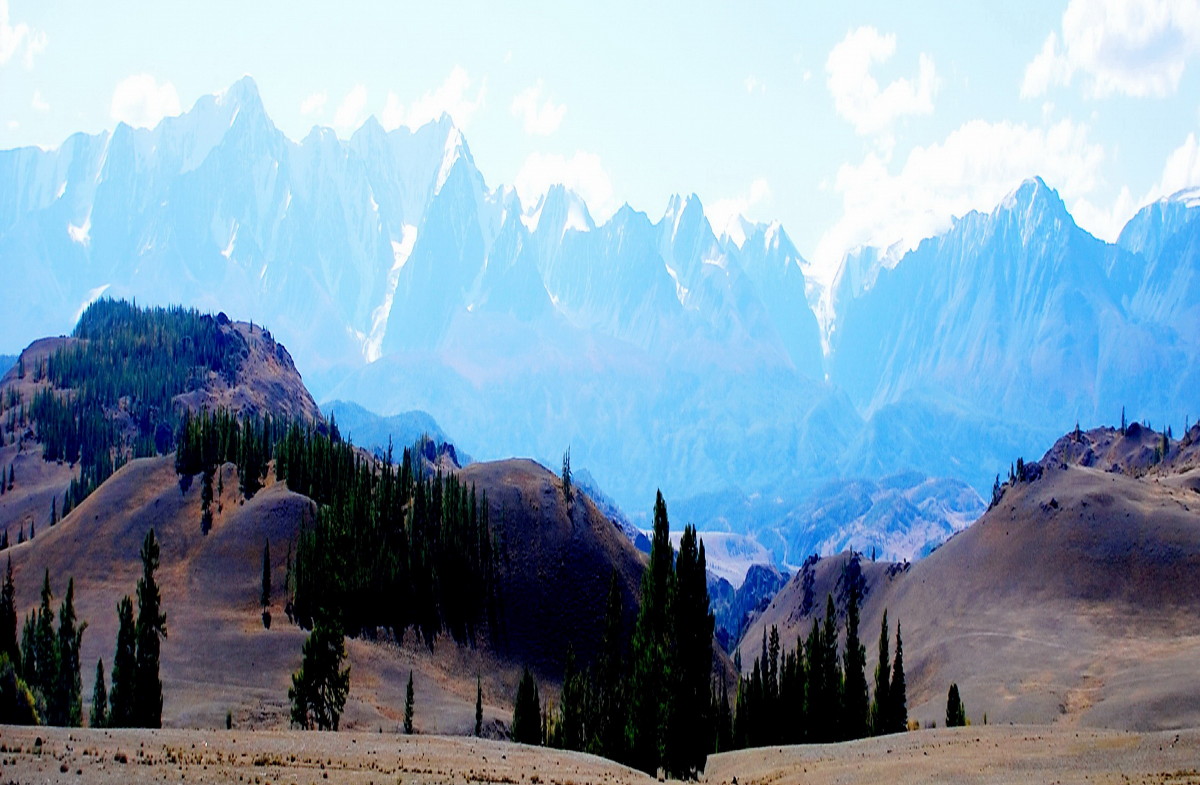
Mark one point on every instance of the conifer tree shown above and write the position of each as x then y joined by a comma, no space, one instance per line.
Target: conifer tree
652,663
65,702
607,729
568,490
881,705
151,625
855,706
956,714
690,702
206,499
8,618
569,734
319,688
121,705
527,711
408,705
478,705
42,662
899,692
724,734
99,716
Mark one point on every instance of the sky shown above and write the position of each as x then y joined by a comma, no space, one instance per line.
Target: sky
852,124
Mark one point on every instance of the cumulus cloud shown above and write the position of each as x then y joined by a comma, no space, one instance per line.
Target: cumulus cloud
582,173
971,169
352,110
540,118
722,214
452,97
314,104
1182,170
1119,47
19,39
142,102
857,96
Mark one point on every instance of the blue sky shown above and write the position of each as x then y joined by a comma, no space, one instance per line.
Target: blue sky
850,123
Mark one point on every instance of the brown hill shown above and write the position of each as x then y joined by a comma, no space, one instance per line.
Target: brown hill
1074,599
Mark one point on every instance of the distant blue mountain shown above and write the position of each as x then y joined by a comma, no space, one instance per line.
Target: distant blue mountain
373,432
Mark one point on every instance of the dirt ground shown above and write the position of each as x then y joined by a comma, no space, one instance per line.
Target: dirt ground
993,754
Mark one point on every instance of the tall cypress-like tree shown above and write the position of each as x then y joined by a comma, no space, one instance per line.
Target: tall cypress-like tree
151,624
318,691
99,716
42,661
121,706
409,704
569,734
607,728
881,706
527,711
899,691
65,703
652,662
855,706
478,705
690,704
8,619
956,713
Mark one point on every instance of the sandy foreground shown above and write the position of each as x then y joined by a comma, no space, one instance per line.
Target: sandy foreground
971,755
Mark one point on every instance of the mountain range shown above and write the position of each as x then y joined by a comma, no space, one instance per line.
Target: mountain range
661,353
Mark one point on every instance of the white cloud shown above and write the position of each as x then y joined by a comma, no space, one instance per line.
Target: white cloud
540,118
19,38
350,113
140,101
1182,170
723,213
1125,47
1105,222
972,169
314,104
858,98
753,85
39,102
452,97
582,173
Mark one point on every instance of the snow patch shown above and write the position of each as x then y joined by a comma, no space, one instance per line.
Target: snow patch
681,291
373,344
228,252
92,296
450,156
82,233
62,189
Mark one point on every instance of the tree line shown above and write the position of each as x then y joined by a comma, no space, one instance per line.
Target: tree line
40,677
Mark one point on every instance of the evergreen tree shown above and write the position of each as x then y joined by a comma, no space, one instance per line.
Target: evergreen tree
44,660
17,703
65,702
151,625
206,499
527,711
99,717
318,691
266,574
689,703
8,618
121,705
607,728
570,731
956,713
652,659
881,707
478,705
724,734
855,706
568,491
899,692
408,705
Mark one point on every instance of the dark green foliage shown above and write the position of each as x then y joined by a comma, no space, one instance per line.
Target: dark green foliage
65,700
956,713
881,706
388,548
206,498
606,725
408,705
99,716
898,689
265,597
653,652
121,706
50,659
723,741
568,493
151,625
478,705
569,731
39,653
527,711
17,703
690,721
8,619
855,706
319,688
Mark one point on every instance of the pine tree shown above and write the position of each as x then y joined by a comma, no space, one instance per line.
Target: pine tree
151,624
881,706
8,619
724,735
66,699
854,692
319,688
99,716
690,702
206,499
265,598
527,711
121,705
607,728
44,660
569,735
408,705
899,692
568,491
652,663
956,714
478,705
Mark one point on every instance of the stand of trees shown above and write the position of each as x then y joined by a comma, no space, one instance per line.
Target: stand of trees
136,697
649,705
